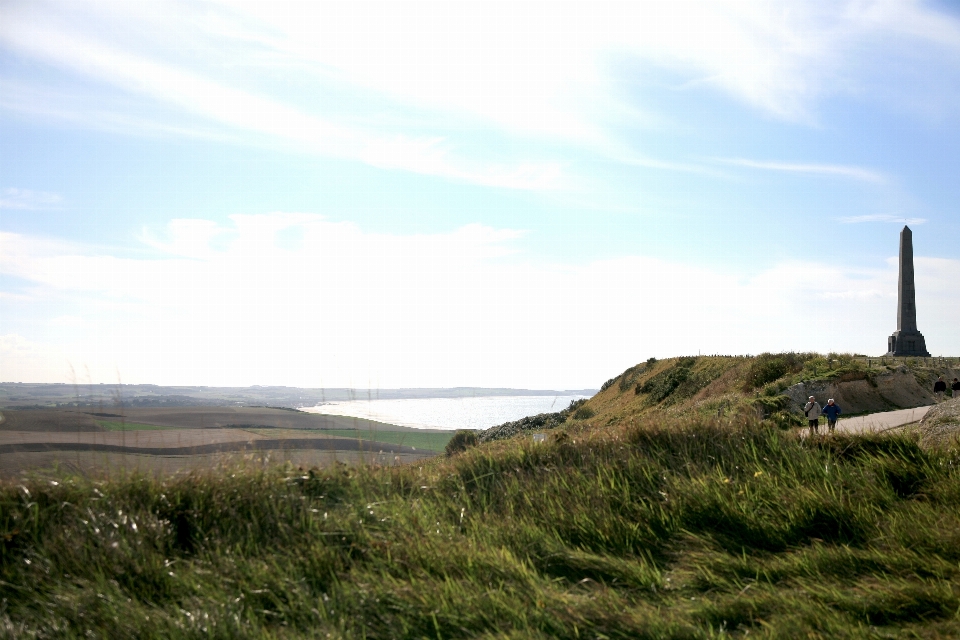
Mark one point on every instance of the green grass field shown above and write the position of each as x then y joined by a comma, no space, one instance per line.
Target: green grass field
117,425
428,441
695,529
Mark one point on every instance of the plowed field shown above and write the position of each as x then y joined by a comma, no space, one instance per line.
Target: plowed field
167,439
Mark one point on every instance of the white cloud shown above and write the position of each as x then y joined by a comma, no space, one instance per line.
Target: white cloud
97,110
13,198
342,307
843,171
394,70
540,67
264,115
881,217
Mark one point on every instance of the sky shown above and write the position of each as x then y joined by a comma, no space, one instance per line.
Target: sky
436,194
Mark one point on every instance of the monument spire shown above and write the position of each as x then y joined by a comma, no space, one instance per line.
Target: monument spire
906,291
906,340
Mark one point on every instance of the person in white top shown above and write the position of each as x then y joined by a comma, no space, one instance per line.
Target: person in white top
812,411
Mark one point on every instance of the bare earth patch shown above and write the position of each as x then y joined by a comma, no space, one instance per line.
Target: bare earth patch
47,420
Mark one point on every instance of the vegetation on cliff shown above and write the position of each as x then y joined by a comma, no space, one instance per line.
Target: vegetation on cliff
705,386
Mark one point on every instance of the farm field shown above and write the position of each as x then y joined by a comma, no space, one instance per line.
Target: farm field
245,417
188,418
430,440
114,425
171,439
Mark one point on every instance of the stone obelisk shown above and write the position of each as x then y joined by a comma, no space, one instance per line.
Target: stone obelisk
906,340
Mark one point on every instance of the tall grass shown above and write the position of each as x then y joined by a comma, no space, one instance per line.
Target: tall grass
682,530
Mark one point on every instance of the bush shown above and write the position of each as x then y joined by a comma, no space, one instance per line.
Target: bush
628,377
609,383
462,440
664,383
786,420
771,404
584,413
770,367
836,366
764,371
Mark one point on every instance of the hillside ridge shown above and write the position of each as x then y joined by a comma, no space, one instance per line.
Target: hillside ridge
773,386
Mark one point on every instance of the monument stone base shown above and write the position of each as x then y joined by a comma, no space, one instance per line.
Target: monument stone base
902,343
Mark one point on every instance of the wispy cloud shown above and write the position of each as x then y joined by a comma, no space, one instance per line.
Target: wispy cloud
666,165
880,217
516,68
96,109
778,57
13,198
837,170
266,115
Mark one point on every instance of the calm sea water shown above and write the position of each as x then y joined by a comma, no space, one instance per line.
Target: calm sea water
447,413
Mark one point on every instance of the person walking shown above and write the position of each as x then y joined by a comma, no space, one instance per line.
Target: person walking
831,410
939,388
956,388
812,411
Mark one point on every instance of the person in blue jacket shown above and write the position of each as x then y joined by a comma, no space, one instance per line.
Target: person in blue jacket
831,410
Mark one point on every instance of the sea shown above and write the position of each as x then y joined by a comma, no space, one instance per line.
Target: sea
447,413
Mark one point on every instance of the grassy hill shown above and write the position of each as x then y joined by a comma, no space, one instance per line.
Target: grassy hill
654,518
772,386
709,384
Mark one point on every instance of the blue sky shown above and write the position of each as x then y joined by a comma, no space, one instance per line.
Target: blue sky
514,194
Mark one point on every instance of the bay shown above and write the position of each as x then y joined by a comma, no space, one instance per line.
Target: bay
447,413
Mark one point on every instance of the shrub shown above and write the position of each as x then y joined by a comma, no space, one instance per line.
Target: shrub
584,413
764,371
609,383
771,404
462,440
770,367
786,420
628,377
539,422
664,383
700,376
835,366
